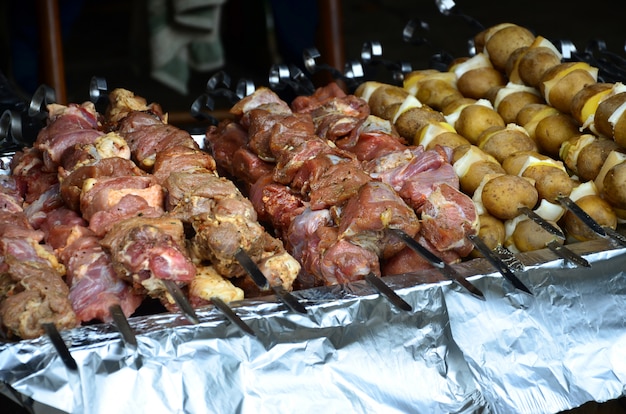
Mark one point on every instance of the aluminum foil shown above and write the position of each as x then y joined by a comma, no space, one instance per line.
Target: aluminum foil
355,352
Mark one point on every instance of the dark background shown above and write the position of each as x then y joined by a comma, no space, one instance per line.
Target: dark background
108,38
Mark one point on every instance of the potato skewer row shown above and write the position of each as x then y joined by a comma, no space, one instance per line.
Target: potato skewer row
573,89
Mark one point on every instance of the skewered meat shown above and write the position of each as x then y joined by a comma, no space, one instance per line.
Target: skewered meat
311,174
222,219
31,278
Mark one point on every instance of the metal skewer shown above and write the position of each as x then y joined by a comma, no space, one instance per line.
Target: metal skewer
122,325
232,316
181,300
445,269
498,263
565,253
605,232
387,292
546,225
58,343
261,281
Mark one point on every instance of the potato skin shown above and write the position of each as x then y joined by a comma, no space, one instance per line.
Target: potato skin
501,44
472,179
614,189
477,82
412,120
491,231
595,207
475,119
592,157
535,63
553,131
502,196
502,142
385,96
529,236
550,182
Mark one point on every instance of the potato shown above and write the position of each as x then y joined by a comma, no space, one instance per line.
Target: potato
504,41
447,139
477,82
502,142
511,68
502,196
614,186
599,209
491,232
414,119
535,63
383,97
552,131
474,119
585,103
529,236
479,169
606,109
550,181
514,163
592,156
433,92
456,104
534,112
562,82
509,105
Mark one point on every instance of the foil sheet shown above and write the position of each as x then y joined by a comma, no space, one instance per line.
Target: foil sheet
354,352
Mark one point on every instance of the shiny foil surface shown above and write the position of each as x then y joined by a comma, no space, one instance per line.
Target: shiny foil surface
355,352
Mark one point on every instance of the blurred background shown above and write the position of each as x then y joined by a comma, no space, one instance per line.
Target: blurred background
166,50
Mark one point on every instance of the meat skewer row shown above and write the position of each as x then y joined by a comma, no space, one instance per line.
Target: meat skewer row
221,219
97,181
306,154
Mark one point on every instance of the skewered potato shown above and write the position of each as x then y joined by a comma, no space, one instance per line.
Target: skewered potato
502,40
472,120
609,119
491,232
510,99
471,165
529,236
587,198
614,186
502,196
562,82
476,76
501,142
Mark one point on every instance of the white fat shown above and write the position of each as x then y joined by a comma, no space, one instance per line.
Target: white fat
509,229
452,117
541,41
612,160
583,190
569,152
533,161
616,115
409,102
550,211
471,156
479,60
369,89
431,131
